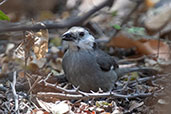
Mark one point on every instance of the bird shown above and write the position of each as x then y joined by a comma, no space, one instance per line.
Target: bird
88,67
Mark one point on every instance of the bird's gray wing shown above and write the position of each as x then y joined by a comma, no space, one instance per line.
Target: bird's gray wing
105,61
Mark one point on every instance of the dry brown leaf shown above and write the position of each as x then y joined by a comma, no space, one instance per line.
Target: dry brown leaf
33,67
41,43
23,50
150,47
33,48
143,46
121,41
21,74
61,107
37,111
151,3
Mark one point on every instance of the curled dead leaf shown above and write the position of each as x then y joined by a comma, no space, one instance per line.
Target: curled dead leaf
33,48
41,43
60,107
154,47
143,46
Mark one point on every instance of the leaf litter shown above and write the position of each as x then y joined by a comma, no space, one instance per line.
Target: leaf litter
37,77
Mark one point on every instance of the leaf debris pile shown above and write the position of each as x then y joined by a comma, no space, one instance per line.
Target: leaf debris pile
31,75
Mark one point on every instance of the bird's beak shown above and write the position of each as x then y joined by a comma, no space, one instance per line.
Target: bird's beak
68,37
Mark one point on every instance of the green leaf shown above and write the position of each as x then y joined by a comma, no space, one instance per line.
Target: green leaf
117,27
3,16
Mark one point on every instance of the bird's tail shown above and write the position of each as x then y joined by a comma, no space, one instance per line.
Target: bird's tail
122,71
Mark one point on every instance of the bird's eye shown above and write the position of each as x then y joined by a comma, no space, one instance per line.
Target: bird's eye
81,34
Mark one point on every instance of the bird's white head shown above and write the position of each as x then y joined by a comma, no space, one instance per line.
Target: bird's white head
79,37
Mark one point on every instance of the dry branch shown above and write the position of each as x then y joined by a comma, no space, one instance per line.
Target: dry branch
3,2
14,92
77,94
90,95
79,20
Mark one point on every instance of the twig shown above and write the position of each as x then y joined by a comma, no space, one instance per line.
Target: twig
47,77
91,95
63,24
158,46
25,53
141,80
3,2
126,85
60,89
14,92
131,59
77,94
34,84
6,105
26,105
39,80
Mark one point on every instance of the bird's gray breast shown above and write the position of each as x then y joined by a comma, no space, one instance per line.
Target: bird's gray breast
81,69
79,63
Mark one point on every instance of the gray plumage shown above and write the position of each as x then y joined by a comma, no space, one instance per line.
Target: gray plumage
87,66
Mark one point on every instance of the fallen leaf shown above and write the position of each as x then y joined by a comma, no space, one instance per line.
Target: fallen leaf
33,48
151,3
121,41
10,46
152,46
3,16
60,107
143,46
117,27
117,111
24,48
37,111
41,43
44,105
93,112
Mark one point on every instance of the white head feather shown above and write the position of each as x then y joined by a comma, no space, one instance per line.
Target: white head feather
83,42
